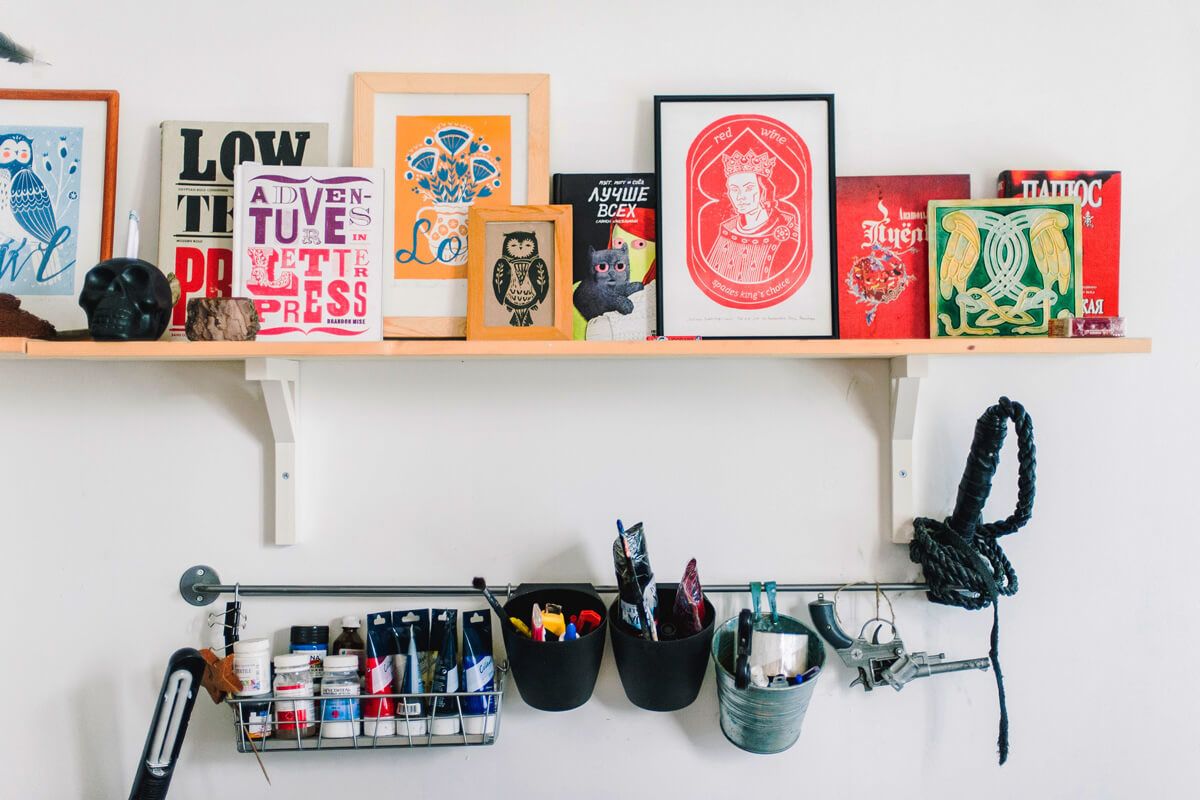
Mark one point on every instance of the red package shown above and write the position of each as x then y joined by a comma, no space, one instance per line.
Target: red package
688,613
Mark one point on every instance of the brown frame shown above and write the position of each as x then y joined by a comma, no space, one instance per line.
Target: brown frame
476,282
535,86
113,101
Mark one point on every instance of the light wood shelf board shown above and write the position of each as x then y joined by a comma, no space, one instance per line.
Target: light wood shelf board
458,349
12,346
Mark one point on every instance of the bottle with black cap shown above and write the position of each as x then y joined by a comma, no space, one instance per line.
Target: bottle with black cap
312,641
350,643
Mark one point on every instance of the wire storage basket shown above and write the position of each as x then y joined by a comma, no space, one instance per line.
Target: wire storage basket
258,726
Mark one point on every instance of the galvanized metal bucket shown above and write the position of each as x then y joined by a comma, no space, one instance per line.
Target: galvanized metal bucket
762,720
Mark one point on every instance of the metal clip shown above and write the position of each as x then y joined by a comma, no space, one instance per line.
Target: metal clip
232,622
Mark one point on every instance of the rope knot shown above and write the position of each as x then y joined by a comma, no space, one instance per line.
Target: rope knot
963,562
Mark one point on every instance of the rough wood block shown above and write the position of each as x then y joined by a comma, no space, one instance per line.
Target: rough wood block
16,322
221,319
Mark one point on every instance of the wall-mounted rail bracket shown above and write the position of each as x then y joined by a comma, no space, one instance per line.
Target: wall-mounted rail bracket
907,372
280,381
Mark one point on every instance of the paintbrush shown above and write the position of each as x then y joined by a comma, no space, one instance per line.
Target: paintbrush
518,625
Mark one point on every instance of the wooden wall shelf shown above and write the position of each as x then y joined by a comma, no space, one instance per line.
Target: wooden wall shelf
458,349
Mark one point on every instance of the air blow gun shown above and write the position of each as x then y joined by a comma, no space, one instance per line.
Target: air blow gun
881,663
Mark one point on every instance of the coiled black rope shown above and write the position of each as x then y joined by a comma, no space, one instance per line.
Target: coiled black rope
961,557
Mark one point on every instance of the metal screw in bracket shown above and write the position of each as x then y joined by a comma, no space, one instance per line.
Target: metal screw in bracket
286,476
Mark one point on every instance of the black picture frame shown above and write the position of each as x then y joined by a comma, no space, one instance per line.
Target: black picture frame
664,265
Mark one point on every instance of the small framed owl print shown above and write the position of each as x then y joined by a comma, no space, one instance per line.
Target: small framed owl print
519,281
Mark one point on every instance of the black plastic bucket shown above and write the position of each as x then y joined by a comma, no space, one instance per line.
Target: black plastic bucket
665,675
555,676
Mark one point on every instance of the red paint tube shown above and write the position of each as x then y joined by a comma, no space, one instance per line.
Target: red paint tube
379,715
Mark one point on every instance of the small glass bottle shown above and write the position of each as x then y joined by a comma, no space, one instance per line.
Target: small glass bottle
350,643
340,717
295,709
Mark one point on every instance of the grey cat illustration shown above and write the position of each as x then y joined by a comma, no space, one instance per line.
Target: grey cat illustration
606,286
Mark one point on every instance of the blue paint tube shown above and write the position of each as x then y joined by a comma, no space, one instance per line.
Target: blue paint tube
445,672
478,672
410,711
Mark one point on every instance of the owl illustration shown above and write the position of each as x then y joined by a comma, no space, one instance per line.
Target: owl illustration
25,208
520,279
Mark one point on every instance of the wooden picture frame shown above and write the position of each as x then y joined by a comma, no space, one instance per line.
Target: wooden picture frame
495,130
747,216
63,143
488,316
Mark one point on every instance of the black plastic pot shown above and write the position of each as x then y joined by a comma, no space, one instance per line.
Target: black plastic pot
664,675
555,676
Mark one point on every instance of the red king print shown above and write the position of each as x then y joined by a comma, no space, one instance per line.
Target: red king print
749,211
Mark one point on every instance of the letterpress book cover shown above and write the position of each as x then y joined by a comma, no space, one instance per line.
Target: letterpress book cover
883,254
195,238
308,249
1099,194
614,259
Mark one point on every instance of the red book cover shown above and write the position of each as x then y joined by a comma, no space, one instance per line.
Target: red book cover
1099,194
883,271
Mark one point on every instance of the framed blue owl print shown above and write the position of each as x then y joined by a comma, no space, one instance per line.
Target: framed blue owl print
58,169
519,281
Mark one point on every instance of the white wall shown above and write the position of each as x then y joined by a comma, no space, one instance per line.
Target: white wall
114,478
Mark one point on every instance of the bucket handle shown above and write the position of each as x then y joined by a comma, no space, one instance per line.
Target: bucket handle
756,589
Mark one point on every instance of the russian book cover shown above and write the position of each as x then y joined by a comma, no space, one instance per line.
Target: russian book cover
1099,194
614,258
883,272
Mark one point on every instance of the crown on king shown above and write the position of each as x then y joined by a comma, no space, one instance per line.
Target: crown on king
759,165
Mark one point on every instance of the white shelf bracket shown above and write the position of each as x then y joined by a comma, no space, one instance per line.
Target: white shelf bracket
280,381
907,372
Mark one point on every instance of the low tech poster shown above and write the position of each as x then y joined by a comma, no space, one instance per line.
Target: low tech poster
195,239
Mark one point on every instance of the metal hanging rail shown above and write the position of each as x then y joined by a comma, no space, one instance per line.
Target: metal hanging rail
200,585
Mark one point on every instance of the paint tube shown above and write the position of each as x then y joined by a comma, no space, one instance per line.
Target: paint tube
478,672
688,612
380,676
635,578
418,620
439,620
445,672
410,711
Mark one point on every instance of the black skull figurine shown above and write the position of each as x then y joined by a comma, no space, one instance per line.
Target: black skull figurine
126,299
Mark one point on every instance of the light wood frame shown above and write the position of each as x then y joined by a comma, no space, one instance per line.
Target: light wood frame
477,272
536,87
112,100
